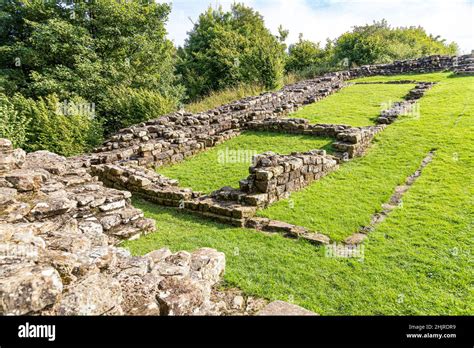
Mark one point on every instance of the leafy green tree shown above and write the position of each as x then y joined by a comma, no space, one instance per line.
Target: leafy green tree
379,43
304,54
84,48
225,49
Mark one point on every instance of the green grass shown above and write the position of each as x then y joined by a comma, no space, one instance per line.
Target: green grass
218,98
356,105
417,262
220,166
431,77
342,202
226,96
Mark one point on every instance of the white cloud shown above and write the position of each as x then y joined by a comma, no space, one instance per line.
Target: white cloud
317,20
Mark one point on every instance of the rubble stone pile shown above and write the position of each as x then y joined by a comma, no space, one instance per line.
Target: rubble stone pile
59,228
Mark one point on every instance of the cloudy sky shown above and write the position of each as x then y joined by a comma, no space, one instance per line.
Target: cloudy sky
321,19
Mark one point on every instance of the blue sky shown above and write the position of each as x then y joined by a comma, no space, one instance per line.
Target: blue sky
321,19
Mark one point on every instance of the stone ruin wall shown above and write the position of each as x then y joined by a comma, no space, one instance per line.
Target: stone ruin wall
172,138
59,230
60,226
349,142
276,176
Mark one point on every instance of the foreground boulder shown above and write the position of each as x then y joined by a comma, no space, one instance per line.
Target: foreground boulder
281,308
59,227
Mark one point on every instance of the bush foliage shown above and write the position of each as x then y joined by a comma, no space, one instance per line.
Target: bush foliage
13,125
125,106
82,50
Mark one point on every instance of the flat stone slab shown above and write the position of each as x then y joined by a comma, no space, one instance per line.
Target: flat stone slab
281,308
355,239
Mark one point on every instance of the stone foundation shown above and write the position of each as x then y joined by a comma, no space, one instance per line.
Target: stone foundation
407,106
276,176
174,137
171,138
350,141
59,228
145,183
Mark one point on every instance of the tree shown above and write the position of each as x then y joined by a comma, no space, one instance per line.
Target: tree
379,43
304,54
229,48
84,49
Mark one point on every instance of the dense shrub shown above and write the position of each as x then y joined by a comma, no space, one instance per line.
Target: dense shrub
126,106
13,125
66,131
304,54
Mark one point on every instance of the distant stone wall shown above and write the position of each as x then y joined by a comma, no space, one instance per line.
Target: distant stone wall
350,141
419,65
171,138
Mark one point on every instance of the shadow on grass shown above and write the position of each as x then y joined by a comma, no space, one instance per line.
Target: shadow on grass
176,213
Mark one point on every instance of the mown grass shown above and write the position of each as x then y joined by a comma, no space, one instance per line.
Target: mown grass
345,200
430,77
356,105
228,163
417,262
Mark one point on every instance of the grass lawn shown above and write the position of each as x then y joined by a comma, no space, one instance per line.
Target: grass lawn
342,202
417,262
356,105
430,77
228,163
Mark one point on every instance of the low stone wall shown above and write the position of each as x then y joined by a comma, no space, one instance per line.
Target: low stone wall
59,228
276,176
273,177
350,141
173,137
288,230
145,183
407,106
